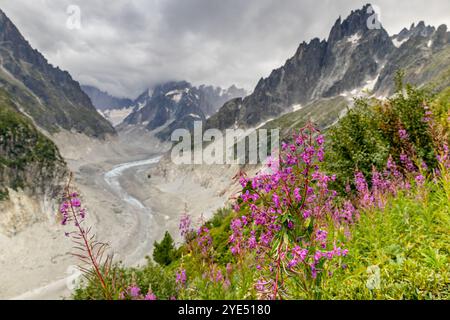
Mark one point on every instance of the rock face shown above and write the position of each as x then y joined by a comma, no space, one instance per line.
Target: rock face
31,170
47,94
175,105
104,101
353,58
423,52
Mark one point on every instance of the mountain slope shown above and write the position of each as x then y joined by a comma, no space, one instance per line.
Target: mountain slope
30,168
47,94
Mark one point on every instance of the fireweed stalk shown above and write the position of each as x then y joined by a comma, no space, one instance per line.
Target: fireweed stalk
290,220
199,245
95,262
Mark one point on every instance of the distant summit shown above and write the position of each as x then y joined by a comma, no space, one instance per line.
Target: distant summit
103,100
177,104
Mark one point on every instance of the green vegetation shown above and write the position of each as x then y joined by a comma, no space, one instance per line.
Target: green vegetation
398,245
322,113
408,241
438,71
371,132
165,252
160,280
22,147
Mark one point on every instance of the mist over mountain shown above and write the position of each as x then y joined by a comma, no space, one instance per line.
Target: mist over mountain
178,104
103,100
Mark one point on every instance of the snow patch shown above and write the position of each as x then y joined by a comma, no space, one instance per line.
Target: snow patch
296,107
193,115
116,116
398,43
140,105
176,95
370,84
354,39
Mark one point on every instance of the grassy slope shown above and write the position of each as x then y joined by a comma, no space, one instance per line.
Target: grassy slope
437,71
409,242
322,113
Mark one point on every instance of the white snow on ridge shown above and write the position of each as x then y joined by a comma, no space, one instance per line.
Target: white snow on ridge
194,116
370,84
360,91
354,39
399,43
176,95
116,116
430,43
296,107
140,105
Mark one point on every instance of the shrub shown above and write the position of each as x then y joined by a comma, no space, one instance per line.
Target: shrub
165,252
373,130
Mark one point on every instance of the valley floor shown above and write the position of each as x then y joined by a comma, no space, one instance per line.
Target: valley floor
128,210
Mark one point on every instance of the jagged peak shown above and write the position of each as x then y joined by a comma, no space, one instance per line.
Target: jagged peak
3,16
304,46
163,88
442,28
356,21
419,29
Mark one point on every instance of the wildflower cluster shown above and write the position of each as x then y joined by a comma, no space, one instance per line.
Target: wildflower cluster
185,225
288,213
133,292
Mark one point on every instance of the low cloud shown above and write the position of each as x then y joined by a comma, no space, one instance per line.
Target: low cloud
126,46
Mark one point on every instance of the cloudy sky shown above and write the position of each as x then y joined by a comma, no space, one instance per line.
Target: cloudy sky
124,46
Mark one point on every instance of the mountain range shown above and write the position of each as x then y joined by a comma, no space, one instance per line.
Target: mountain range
353,59
177,104
317,83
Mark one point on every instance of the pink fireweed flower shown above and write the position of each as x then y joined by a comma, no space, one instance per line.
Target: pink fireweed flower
320,140
243,181
321,237
406,161
420,179
219,277
185,225
134,291
276,200
252,243
403,134
229,268
75,202
424,165
82,213
204,240
150,296
297,195
181,277
292,211
392,167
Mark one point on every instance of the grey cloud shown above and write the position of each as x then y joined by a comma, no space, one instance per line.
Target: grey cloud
126,46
